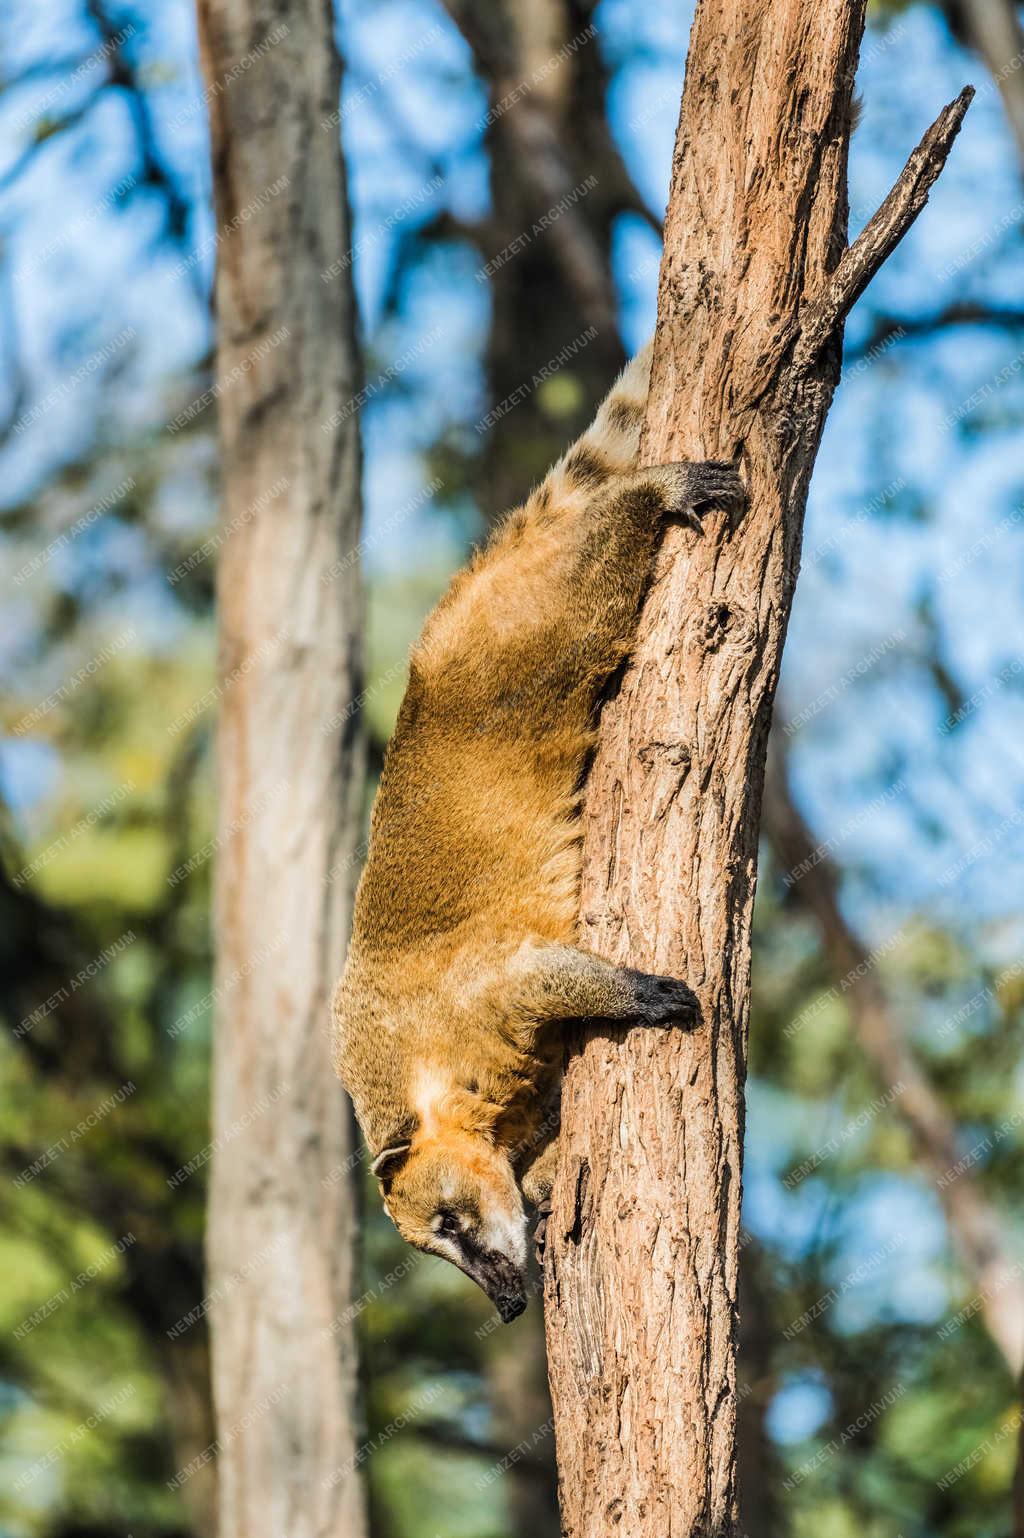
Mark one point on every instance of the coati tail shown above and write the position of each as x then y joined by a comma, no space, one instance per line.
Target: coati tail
610,445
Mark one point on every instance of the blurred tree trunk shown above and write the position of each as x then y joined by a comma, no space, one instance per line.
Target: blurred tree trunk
993,29
1018,1472
557,184
521,1406
282,1224
975,1227
759,1467
756,282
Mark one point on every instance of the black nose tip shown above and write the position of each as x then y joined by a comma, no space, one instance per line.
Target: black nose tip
511,1307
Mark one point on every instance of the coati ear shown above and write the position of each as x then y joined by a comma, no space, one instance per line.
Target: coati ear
390,1160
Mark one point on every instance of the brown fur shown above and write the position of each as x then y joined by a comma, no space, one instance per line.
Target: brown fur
463,954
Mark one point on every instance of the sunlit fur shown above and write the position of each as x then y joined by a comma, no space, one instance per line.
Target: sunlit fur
464,948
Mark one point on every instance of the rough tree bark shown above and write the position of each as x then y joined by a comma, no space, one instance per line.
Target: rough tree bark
282,1225
756,282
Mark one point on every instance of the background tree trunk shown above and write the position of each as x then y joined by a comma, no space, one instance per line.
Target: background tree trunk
282,1229
521,1410
643,1243
974,1225
552,153
993,29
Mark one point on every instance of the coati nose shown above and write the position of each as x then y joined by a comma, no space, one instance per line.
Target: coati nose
501,1281
510,1306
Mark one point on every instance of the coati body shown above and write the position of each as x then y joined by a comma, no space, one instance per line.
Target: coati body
464,960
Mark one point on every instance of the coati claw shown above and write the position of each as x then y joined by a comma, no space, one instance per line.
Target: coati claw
540,1232
690,487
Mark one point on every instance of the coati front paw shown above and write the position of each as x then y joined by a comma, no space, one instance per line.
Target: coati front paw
540,1232
663,999
691,487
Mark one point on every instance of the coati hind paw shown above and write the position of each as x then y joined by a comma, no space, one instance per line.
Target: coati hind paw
663,999
690,487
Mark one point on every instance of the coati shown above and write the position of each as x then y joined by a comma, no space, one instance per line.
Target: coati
464,962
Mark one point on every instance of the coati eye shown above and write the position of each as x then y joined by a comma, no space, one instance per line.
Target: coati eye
447,1224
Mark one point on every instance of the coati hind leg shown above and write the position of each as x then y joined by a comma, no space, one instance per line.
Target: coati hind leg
576,563
624,508
528,637
618,529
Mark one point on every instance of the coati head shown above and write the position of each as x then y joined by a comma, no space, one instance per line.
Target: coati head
453,1193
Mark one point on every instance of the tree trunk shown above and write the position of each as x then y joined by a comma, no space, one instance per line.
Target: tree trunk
975,1227
557,184
282,1223
993,29
756,281
521,1413
760,1469
1018,1472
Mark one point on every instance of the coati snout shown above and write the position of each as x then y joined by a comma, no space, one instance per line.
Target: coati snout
456,1196
465,963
